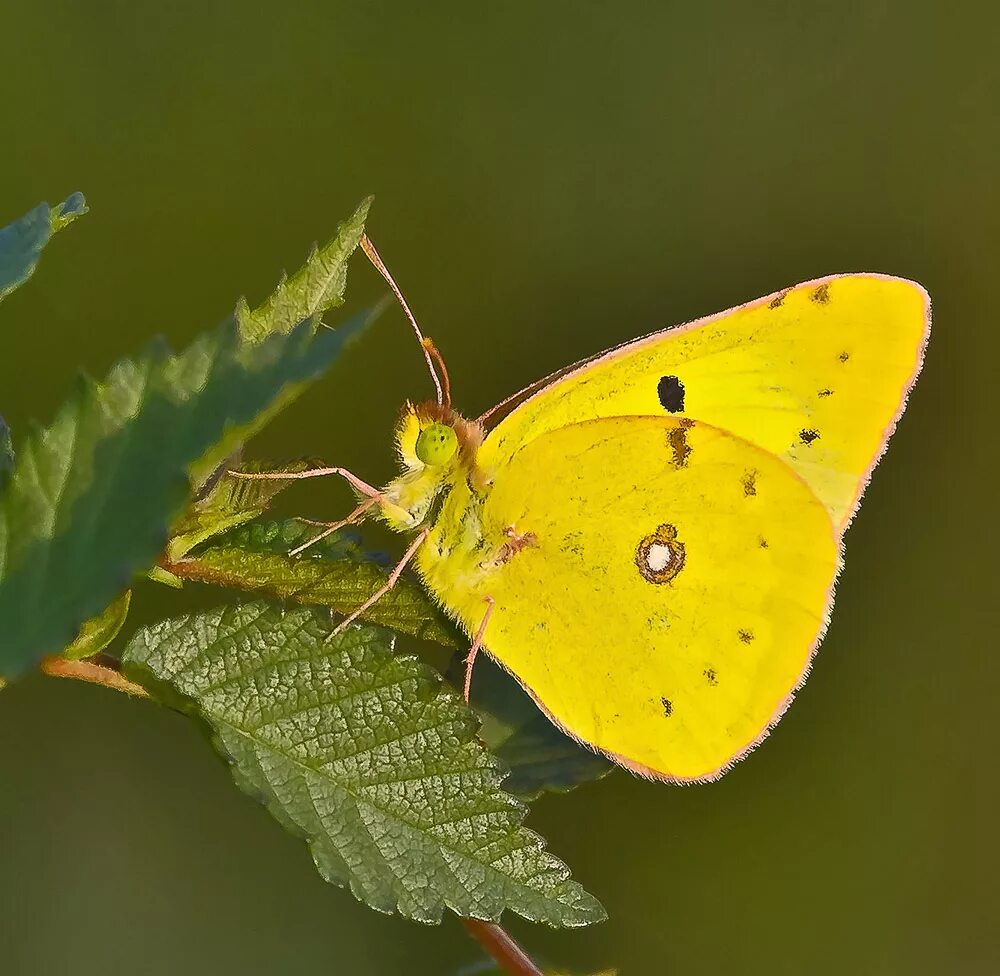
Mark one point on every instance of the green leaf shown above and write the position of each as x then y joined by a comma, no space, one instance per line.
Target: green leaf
22,242
366,755
229,502
6,453
541,757
92,497
235,434
316,287
99,631
333,573
158,574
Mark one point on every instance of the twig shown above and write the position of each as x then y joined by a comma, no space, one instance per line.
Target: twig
509,955
59,667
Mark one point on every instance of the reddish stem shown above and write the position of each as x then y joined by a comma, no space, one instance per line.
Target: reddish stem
508,954
59,667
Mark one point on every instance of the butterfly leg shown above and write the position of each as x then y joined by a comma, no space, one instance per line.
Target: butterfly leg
353,480
388,585
477,643
331,527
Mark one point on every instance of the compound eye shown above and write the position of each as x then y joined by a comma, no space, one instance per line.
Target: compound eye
436,444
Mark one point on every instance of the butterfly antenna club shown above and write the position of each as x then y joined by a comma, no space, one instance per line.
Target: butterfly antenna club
430,351
429,347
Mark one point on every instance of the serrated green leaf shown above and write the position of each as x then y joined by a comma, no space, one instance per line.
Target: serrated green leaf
366,755
92,497
235,435
6,453
230,502
541,758
22,242
335,573
317,286
99,631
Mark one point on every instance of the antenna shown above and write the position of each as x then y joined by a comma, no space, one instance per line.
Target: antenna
430,351
430,347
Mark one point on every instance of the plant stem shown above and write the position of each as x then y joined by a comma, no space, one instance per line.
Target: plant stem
59,667
508,954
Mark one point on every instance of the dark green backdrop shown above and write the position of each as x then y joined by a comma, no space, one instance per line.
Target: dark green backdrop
551,178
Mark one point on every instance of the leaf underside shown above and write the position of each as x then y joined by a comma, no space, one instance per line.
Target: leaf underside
368,757
22,242
334,573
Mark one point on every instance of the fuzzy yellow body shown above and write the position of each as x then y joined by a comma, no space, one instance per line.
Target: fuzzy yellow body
660,528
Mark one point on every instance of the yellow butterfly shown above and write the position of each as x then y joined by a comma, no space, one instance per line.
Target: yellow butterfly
649,540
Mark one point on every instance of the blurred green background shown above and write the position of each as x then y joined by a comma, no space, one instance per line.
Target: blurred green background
550,179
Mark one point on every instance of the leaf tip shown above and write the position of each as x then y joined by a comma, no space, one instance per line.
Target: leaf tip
75,205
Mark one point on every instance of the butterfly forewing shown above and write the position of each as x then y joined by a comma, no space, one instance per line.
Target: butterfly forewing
817,375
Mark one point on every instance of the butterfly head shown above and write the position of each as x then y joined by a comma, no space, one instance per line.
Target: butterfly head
434,439
437,449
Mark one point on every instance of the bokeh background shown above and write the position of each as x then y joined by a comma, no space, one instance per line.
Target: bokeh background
550,179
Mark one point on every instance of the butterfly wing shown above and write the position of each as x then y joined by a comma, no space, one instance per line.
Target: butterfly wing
818,375
675,586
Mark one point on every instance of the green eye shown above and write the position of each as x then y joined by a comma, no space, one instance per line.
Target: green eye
436,444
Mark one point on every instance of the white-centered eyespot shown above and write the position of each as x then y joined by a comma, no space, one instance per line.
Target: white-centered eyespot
660,555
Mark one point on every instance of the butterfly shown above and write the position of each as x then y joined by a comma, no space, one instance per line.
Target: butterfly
649,540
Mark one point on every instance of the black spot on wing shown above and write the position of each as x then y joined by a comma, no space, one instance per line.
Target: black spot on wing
745,635
778,300
711,677
749,483
844,356
821,294
762,542
670,390
825,393
808,436
668,708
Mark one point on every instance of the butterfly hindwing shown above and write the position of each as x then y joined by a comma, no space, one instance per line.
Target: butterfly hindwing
674,586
